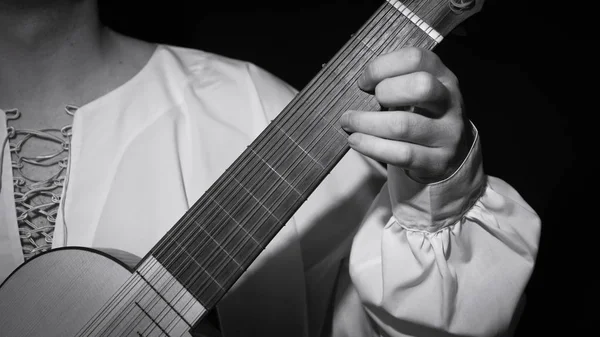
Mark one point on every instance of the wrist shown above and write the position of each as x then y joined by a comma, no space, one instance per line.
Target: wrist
464,147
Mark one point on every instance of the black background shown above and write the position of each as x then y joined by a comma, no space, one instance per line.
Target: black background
522,67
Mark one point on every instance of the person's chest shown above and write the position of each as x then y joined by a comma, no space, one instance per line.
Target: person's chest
39,141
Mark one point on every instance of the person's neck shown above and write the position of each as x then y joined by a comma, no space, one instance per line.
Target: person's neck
51,54
42,30
40,41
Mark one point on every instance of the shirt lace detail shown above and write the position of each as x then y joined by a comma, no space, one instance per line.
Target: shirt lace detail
37,196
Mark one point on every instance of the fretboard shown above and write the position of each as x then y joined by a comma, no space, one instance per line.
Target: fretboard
210,247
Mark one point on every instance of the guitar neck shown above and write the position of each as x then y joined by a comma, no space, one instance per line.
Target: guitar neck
212,245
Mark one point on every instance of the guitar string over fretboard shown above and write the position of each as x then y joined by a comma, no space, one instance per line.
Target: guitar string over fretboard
211,246
437,37
237,217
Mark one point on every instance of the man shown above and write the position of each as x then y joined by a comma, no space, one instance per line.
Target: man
440,247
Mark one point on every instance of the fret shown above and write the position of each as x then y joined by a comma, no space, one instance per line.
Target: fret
149,325
258,200
233,208
331,149
379,40
298,145
231,217
312,87
310,126
337,76
167,288
222,221
290,163
218,242
225,227
276,172
214,257
237,223
191,258
437,37
201,264
303,135
165,300
224,231
151,302
202,278
271,183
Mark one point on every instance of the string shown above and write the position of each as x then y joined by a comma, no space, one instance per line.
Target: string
209,258
350,103
301,119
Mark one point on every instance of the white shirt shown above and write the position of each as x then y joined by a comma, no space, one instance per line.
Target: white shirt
360,258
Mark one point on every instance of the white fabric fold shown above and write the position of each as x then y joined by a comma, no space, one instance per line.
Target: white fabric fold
453,256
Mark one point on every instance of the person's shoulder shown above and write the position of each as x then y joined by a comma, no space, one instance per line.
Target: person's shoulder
207,64
199,61
204,68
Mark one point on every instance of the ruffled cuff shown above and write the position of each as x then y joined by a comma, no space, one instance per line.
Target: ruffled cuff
431,207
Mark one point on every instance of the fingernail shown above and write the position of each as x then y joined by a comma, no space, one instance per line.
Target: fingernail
361,81
344,120
351,140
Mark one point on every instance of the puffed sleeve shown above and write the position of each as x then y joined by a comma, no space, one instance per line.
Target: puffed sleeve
450,257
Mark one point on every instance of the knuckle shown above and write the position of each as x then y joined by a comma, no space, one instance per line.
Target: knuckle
355,140
451,146
353,120
434,58
451,79
414,56
445,160
444,165
372,71
423,84
404,156
455,141
449,135
399,126
382,91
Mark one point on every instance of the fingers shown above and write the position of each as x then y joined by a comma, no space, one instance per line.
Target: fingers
401,62
425,141
419,89
426,161
398,125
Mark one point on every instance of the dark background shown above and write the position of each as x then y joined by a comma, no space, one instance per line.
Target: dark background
522,66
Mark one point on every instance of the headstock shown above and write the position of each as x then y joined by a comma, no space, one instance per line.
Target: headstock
451,14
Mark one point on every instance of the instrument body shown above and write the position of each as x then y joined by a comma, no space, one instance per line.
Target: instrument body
56,293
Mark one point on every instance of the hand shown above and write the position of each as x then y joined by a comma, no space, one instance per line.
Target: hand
429,140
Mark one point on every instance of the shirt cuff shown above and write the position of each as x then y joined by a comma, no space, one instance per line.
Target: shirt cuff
431,207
